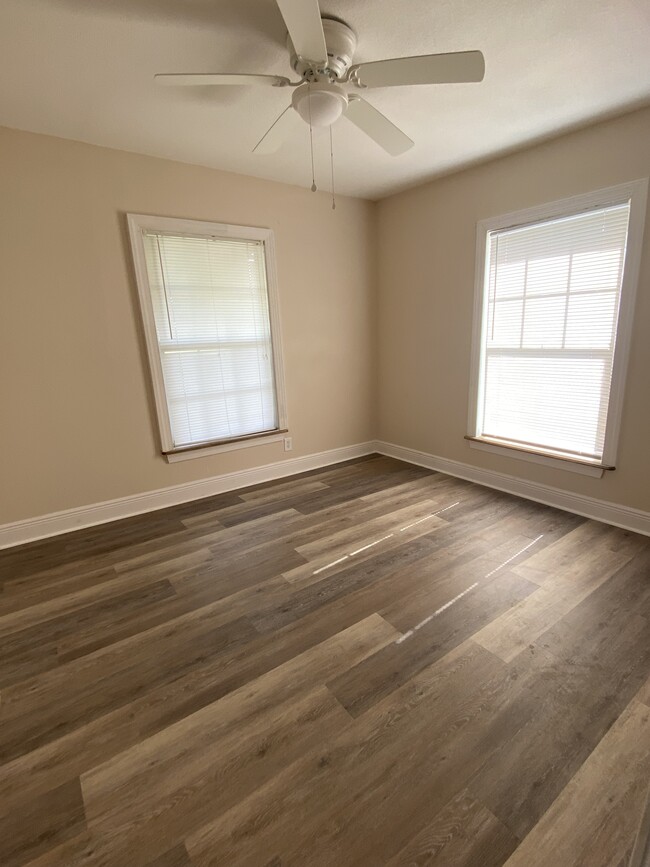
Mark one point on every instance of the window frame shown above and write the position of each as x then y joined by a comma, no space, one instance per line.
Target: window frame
138,224
635,192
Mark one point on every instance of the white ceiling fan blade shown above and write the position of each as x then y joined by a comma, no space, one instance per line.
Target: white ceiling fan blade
184,79
302,18
377,126
279,132
457,67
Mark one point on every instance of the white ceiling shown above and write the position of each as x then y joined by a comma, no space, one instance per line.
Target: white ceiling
83,69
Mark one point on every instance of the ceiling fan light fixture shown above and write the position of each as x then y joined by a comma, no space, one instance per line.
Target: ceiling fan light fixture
320,103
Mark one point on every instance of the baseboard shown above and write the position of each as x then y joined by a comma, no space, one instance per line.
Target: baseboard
32,529
599,510
44,526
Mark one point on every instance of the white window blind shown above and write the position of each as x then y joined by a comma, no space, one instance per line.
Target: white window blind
551,301
211,310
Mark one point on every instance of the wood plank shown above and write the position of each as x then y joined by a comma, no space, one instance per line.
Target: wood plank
232,575
47,706
588,635
240,582
97,597
532,519
162,799
371,585
351,593
393,521
446,574
363,542
85,747
640,854
251,500
371,680
21,663
346,492
464,832
36,825
256,723
94,545
21,592
349,823
43,644
355,488
563,555
176,857
644,693
594,803
567,587
62,854
278,491
577,704
585,669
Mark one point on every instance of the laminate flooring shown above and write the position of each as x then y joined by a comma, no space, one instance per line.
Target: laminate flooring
369,664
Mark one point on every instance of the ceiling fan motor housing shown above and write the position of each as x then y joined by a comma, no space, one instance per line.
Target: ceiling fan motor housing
341,42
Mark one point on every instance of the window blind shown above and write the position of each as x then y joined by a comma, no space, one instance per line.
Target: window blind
211,311
552,294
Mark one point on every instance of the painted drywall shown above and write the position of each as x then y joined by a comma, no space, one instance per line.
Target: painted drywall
426,254
78,425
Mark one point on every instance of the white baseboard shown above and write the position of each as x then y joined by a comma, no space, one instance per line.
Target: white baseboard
32,529
56,523
599,510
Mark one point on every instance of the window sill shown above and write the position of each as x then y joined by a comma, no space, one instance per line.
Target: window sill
559,463
191,452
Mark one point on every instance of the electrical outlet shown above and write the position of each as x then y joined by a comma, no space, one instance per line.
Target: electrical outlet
288,444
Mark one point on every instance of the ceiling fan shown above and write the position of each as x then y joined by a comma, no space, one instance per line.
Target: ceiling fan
321,51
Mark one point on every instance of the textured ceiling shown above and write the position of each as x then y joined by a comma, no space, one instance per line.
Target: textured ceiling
83,69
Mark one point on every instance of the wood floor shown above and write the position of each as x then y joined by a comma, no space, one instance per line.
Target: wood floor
366,665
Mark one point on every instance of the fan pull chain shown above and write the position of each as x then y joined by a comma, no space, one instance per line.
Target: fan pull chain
311,143
332,165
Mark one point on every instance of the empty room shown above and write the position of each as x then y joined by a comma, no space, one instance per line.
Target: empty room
325,470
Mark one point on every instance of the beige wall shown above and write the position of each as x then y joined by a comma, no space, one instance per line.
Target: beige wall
426,244
76,420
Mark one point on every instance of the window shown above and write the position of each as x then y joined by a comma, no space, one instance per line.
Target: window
555,294
210,315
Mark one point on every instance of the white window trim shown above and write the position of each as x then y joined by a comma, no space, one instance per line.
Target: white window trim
138,225
636,192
